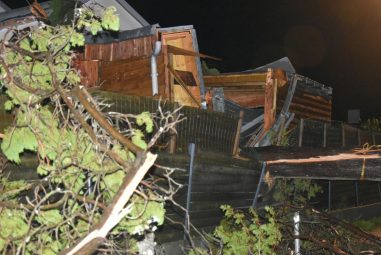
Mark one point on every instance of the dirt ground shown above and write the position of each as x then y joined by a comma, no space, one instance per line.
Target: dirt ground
376,232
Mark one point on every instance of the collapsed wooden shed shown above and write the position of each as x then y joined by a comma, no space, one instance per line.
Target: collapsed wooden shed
130,62
272,97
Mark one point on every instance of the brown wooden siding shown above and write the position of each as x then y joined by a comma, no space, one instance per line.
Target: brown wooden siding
306,105
177,93
138,47
132,76
120,66
89,71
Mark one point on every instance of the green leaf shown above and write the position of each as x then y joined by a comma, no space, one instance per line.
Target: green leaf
138,139
77,39
49,218
142,215
8,105
16,141
12,223
110,20
112,182
145,118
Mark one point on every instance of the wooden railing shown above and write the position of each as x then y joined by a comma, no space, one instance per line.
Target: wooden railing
310,133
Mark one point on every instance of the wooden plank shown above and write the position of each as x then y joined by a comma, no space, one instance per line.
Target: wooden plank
89,72
180,51
324,105
269,112
307,115
322,163
185,87
130,76
184,41
248,100
301,129
306,107
238,135
252,78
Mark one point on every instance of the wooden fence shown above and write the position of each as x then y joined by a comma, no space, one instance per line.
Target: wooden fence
216,180
311,133
210,131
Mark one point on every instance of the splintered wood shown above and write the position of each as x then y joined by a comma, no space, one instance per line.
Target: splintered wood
329,164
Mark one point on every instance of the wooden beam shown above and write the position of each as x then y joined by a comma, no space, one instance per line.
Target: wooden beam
253,78
182,84
238,135
269,109
322,163
180,51
227,84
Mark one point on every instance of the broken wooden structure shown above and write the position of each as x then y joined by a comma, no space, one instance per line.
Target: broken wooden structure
254,104
148,61
273,97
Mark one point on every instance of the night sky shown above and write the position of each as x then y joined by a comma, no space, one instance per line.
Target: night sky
335,42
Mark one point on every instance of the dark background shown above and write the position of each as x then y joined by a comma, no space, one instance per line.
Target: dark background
335,42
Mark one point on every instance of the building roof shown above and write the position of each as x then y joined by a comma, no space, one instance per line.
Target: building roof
129,18
22,12
283,63
3,7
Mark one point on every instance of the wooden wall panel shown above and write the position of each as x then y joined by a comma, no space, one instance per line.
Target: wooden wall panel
132,77
89,71
306,105
182,40
250,99
138,47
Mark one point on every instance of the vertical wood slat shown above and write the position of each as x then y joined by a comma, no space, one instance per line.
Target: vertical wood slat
343,135
301,127
212,131
136,47
325,135
237,135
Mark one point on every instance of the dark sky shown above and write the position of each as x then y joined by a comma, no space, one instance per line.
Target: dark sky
335,42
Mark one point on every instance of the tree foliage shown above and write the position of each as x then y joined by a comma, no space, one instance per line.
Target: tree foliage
83,158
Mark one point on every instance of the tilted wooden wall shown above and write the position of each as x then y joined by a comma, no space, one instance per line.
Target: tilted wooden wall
306,104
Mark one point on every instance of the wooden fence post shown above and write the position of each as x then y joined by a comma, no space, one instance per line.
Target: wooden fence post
173,135
301,127
237,135
343,134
